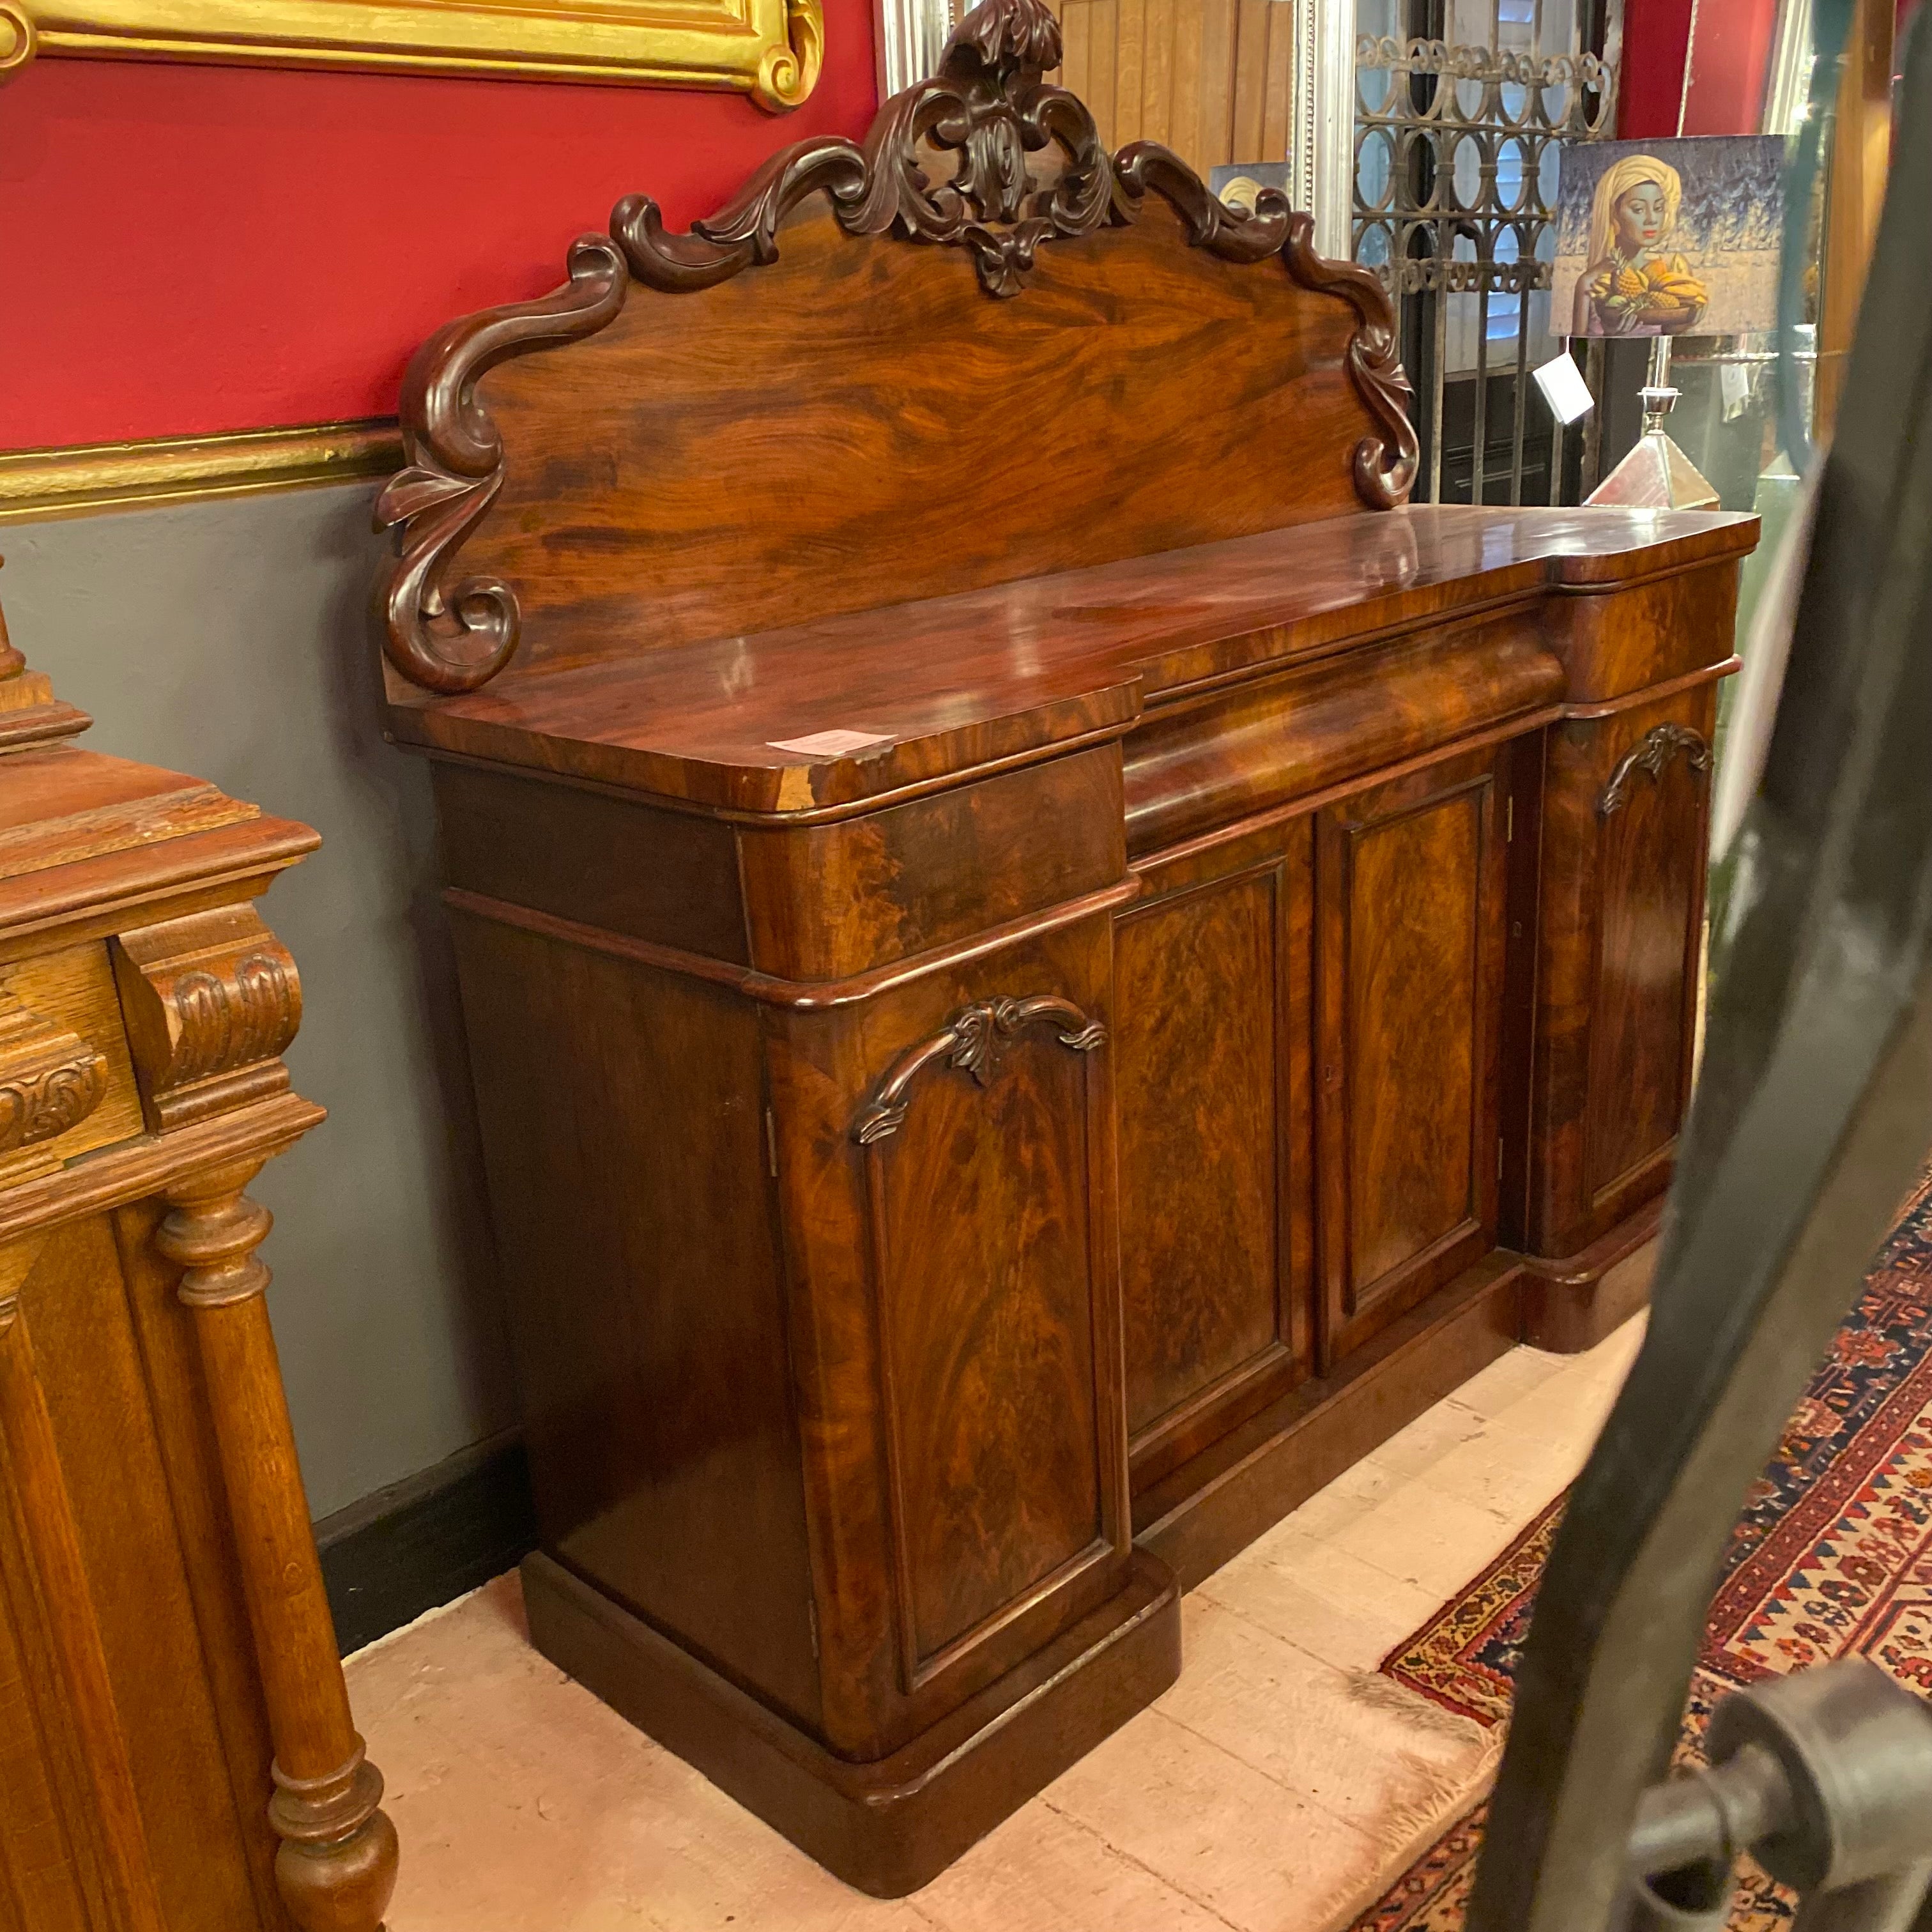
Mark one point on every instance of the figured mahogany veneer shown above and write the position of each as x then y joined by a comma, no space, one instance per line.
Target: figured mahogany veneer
1018,670
1046,963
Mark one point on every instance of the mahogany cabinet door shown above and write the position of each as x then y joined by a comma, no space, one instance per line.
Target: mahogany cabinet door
1625,825
1411,887
1212,977
961,1386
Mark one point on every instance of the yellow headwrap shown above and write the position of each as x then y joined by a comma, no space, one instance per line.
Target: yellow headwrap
1618,181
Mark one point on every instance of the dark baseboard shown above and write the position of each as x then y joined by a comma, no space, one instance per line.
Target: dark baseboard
427,1540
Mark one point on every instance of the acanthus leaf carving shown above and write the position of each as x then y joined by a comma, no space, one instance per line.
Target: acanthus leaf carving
744,233
1232,233
228,1019
974,1040
51,1079
1647,757
989,107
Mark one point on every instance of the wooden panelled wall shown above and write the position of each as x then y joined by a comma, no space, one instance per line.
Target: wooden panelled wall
1213,79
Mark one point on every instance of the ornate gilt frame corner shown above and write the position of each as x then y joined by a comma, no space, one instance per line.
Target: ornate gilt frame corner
771,49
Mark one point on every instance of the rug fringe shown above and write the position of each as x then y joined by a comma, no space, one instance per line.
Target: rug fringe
1383,1693
1409,1832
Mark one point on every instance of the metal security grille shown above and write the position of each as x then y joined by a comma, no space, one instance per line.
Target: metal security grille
1461,106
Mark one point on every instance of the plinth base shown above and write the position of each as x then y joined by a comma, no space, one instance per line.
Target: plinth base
890,1826
1571,1305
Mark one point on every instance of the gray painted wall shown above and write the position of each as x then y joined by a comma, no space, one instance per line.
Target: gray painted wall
232,640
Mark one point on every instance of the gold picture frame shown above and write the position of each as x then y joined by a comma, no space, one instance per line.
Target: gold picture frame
771,49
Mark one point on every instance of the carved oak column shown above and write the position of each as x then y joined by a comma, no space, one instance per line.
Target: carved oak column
336,1865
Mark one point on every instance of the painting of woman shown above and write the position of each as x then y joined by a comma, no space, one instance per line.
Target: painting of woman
1634,284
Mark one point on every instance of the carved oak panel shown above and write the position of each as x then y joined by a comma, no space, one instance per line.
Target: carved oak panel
123,1806
977,1150
210,1001
66,1084
1411,942
50,1078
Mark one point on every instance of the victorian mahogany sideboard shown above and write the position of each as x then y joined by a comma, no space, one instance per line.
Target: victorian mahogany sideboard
1045,963
175,1749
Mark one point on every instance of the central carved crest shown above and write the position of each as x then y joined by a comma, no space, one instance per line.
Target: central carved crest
989,104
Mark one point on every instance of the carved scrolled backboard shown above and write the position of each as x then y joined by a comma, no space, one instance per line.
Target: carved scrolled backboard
977,348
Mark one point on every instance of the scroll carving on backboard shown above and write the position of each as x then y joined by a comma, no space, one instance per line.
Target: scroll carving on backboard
986,111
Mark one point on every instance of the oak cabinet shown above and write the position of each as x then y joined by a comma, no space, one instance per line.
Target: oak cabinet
177,1752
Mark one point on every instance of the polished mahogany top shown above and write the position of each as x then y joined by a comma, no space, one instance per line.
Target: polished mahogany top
952,684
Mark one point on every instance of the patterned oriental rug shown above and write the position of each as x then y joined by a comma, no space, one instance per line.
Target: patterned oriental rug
1832,1558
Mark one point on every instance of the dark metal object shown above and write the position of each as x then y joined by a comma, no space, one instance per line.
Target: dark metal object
1452,142
1826,1778
1811,1118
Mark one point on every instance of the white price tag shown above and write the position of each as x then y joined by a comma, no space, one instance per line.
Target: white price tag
1565,389
830,744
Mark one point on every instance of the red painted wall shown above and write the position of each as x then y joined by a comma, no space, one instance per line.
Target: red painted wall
1726,95
1656,39
184,250
1729,65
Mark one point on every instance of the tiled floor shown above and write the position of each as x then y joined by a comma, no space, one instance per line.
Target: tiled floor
1274,1789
